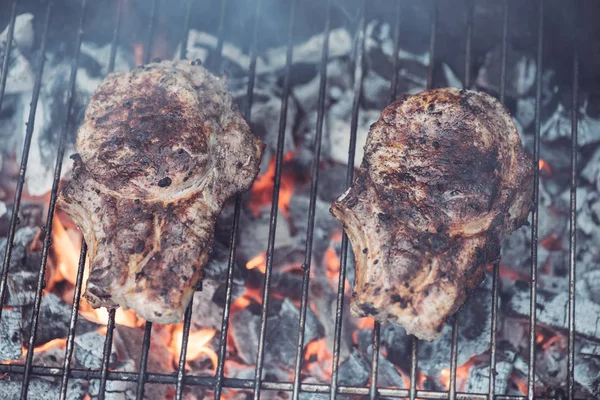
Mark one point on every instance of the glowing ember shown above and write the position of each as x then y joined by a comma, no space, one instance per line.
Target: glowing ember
552,243
462,373
318,359
544,167
260,262
65,253
55,343
262,190
197,344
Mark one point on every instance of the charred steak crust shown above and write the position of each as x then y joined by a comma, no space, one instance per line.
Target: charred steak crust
443,181
160,150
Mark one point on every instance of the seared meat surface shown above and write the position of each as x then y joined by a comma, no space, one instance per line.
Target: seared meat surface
161,149
443,181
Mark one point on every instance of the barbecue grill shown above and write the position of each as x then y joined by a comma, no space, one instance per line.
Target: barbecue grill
258,385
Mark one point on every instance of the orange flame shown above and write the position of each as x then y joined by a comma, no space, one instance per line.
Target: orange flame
462,373
262,190
197,344
260,262
544,167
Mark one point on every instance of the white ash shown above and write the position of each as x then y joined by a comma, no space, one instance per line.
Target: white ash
552,310
254,233
24,267
20,73
54,319
89,348
354,370
478,380
558,125
281,334
39,388
11,339
520,73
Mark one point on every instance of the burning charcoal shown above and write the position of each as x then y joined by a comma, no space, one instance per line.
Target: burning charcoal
24,266
558,125
520,74
332,183
397,343
116,390
309,52
325,223
40,388
54,319
208,310
254,232
551,361
473,333
266,109
88,350
128,345
10,334
388,375
551,310
281,334
478,379
354,371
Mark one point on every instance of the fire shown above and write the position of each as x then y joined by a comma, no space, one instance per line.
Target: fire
65,253
521,384
60,343
260,262
462,373
552,243
332,261
262,190
197,344
318,359
544,167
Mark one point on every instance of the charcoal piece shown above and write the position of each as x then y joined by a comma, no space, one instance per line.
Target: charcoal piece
52,355
10,334
558,126
398,345
54,319
265,113
24,266
592,282
591,171
520,73
254,232
117,390
478,380
551,361
89,348
516,250
586,374
20,73
551,310
127,343
40,388
354,371
473,333
324,226
208,311
364,337
332,183
280,336
388,375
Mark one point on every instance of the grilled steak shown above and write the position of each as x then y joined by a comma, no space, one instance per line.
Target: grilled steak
161,149
443,181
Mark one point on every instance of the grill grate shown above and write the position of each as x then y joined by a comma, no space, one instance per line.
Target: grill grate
218,382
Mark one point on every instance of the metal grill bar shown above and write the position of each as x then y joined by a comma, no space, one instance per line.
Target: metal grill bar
110,326
51,207
236,383
455,321
274,209
24,157
358,78
148,48
313,199
9,39
182,355
186,30
573,228
496,266
141,381
73,323
534,215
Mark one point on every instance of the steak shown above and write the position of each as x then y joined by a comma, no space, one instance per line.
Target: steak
443,181
160,151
